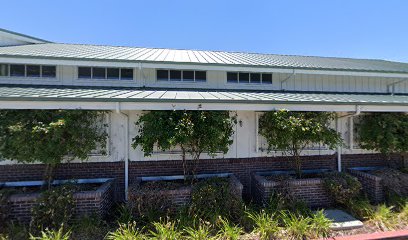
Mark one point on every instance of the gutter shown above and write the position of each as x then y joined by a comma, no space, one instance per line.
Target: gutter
126,130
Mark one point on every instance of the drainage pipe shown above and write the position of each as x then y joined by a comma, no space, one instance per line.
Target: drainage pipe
126,150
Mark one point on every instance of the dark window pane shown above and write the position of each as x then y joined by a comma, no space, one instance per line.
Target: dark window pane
200,76
3,69
243,77
126,73
162,75
49,71
175,75
188,76
98,73
33,70
232,77
113,73
255,78
267,78
84,72
17,70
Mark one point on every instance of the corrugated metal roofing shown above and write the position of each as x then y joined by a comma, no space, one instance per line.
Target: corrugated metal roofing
55,93
136,54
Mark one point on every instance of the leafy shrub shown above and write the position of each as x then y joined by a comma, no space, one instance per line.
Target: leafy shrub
360,208
4,208
282,199
59,234
124,214
320,225
214,197
126,232
297,226
228,230
148,204
203,231
383,217
53,208
342,186
89,227
265,224
165,230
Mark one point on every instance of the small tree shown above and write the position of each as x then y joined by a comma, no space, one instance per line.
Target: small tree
50,136
194,132
383,132
292,132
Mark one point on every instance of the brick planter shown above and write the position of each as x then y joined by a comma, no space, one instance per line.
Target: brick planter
311,190
182,196
97,202
372,185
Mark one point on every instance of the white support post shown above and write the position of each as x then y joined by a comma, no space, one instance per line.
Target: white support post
339,148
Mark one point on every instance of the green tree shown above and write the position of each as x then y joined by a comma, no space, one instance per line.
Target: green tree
50,136
383,132
194,132
292,132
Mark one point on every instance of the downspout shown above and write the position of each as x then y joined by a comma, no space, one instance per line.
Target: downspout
286,79
392,86
126,130
340,148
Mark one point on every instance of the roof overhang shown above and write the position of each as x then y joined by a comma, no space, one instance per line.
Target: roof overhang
58,97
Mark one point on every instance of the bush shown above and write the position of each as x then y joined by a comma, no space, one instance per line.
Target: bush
165,230
214,197
54,208
148,204
53,235
360,208
265,224
126,232
342,187
4,209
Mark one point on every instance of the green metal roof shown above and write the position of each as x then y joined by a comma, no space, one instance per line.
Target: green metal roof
87,94
157,55
23,35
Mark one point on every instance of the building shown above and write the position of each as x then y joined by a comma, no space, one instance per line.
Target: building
38,74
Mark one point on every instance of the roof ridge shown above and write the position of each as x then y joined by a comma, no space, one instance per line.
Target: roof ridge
24,35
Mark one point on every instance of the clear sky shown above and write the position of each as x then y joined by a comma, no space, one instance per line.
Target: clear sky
346,28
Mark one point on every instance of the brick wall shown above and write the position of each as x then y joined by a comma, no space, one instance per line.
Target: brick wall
242,168
372,185
97,202
311,191
182,196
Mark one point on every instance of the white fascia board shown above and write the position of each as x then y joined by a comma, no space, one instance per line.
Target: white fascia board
195,106
205,67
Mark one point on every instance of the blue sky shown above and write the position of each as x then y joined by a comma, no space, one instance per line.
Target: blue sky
346,28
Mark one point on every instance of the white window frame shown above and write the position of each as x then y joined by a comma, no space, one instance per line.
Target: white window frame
324,150
108,122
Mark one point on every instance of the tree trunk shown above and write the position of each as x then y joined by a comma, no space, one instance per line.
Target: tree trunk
184,161
298,165
49,175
